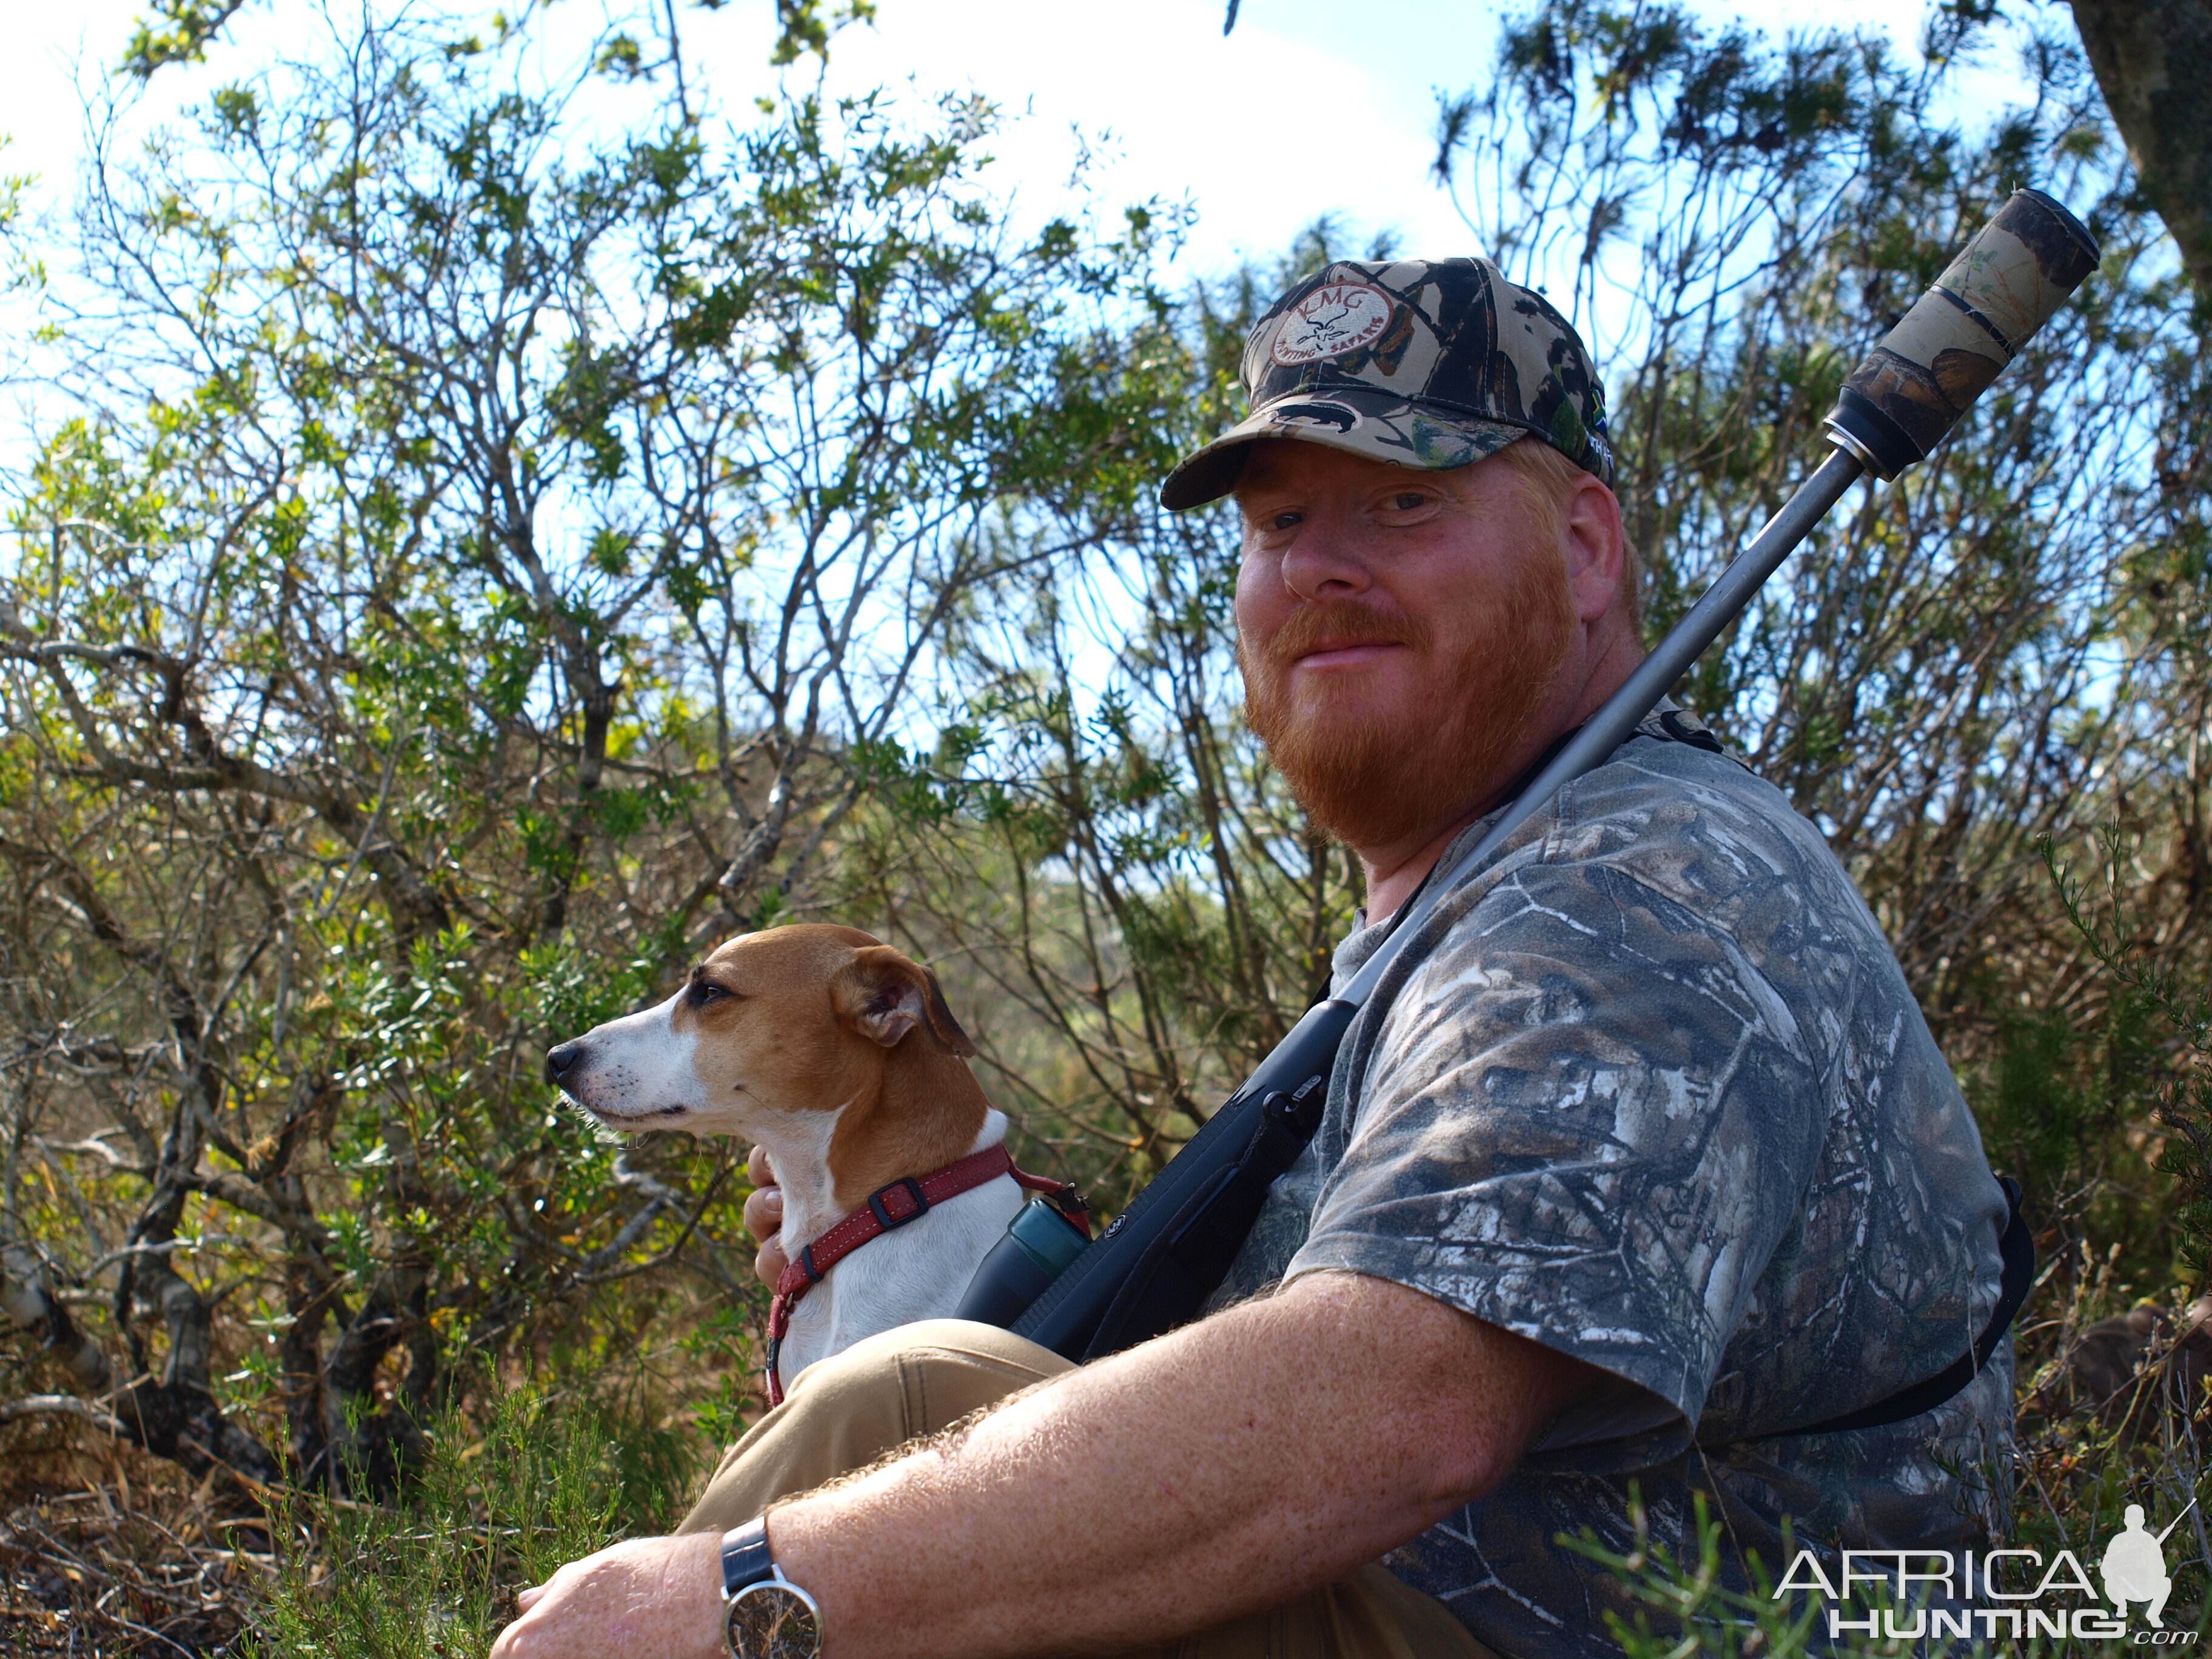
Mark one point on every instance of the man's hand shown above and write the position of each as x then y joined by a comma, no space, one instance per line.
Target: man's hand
764,1218
648,1598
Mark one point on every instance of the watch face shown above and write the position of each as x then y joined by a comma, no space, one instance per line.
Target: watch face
773,1621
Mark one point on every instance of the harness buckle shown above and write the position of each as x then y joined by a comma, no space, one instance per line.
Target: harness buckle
884,1218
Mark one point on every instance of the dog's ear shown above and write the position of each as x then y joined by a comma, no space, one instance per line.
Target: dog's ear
883,995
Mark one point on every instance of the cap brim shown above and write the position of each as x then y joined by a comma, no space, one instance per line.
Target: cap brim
1358,420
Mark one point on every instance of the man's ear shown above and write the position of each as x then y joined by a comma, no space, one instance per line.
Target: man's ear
883,995
1598,565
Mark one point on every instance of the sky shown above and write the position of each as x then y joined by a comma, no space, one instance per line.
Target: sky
1308,106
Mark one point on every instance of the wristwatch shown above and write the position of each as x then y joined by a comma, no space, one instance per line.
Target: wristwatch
768,1616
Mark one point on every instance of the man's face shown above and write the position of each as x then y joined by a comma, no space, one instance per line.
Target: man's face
1401,632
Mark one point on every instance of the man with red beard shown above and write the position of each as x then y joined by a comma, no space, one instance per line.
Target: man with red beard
1639,1176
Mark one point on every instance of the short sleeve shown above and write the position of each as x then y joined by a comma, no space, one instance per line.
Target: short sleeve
1585,1116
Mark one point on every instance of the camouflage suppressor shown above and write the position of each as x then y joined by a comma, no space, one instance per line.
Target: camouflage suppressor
2004,285
1154,1268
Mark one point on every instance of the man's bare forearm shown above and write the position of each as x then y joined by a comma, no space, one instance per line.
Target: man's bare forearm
1224,1468
1228,1466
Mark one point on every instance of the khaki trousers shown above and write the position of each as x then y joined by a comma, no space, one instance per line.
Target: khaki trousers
846,1412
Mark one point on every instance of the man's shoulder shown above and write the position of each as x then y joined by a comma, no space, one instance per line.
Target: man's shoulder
1684,819
1674,869
1670,852
1649,791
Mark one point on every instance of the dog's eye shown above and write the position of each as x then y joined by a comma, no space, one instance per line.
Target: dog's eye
704,991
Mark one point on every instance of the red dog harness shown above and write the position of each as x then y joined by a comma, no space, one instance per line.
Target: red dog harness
892,1206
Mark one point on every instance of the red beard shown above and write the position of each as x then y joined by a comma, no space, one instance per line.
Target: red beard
1374,786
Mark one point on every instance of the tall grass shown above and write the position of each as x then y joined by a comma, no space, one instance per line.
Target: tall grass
538,1479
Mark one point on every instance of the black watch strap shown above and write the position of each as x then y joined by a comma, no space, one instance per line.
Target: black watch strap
745,1558
767,1616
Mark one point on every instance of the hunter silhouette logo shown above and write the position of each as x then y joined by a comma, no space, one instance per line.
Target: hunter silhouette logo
2135,1565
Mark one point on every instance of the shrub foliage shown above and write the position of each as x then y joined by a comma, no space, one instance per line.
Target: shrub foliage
510,531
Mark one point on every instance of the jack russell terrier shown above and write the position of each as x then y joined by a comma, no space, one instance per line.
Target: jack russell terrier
837,1053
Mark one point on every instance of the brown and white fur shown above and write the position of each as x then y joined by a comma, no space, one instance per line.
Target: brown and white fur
836,1053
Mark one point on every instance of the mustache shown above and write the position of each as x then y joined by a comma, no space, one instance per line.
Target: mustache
1360,619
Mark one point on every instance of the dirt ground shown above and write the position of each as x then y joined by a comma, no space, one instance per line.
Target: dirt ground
114,1553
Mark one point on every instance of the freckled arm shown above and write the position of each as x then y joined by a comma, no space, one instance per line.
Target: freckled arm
1224,1467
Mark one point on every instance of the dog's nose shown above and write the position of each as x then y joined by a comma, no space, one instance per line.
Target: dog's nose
558,1061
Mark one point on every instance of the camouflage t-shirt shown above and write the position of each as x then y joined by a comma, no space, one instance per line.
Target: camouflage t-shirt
1650,1088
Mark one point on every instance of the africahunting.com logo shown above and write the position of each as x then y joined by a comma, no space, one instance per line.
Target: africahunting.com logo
2010,1594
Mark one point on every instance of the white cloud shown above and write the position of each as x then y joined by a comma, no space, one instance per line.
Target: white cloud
1310,107
1265,130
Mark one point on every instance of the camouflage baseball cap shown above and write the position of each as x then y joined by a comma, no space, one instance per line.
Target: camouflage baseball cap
1429,363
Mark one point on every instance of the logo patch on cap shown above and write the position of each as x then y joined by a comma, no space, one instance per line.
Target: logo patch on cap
1334,320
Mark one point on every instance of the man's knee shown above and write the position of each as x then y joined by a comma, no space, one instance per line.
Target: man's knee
843,1413
943,1341
931,1374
